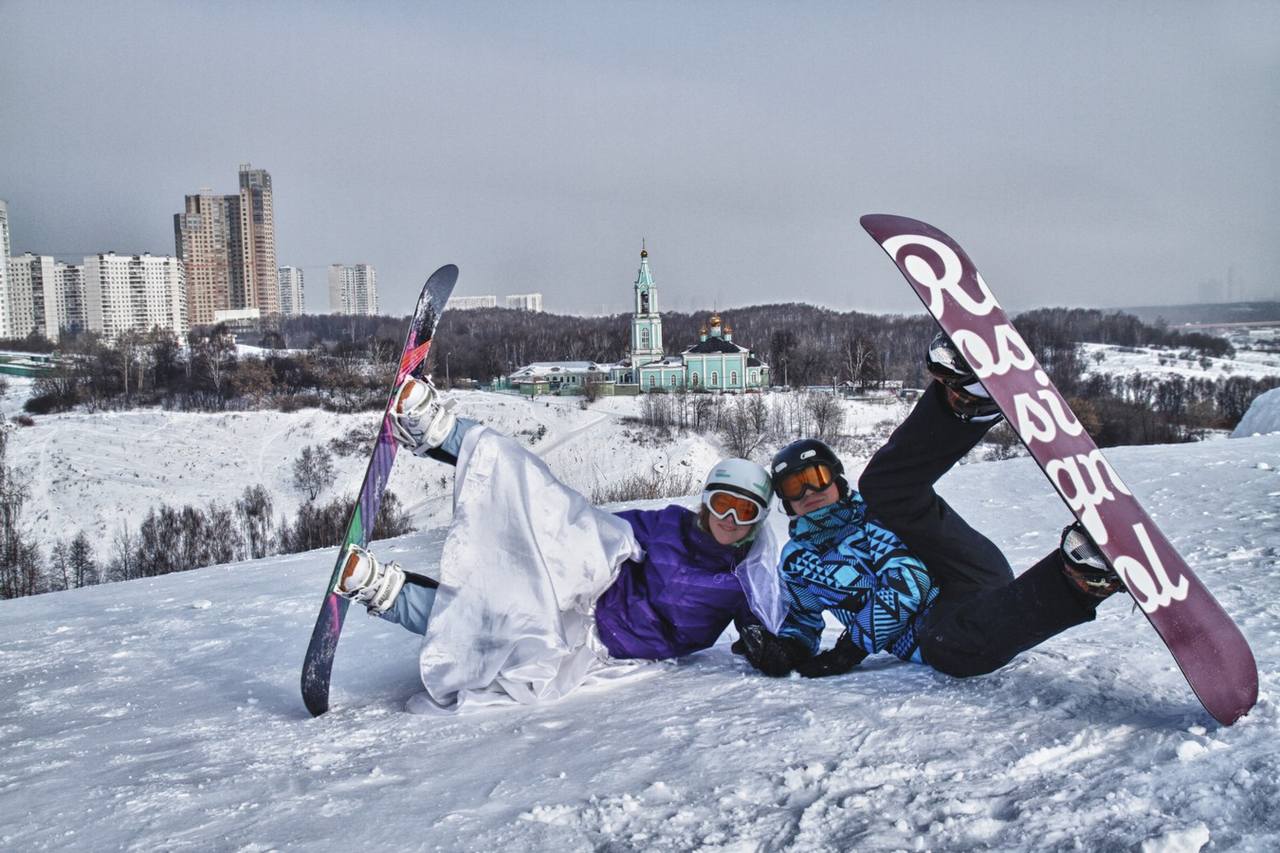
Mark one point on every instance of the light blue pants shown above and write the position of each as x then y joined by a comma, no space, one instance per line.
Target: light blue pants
412,607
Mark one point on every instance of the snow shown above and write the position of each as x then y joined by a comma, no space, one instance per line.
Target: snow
85,467
164,714
1163,362
1263,415
17,392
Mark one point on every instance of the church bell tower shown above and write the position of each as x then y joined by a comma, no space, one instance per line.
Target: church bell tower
646,323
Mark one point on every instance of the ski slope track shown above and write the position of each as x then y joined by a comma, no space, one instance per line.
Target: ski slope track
163,714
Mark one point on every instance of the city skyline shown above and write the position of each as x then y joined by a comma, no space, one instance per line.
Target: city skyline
1087,155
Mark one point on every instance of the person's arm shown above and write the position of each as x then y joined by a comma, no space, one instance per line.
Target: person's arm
902,587
644,523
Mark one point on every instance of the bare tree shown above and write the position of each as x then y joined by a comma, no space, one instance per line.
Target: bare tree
254,510
738,429
827,414
84,570
313,471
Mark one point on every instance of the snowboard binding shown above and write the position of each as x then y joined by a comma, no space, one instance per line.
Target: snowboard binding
965,396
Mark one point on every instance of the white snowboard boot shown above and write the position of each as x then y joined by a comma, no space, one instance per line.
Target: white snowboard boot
365,580
420,420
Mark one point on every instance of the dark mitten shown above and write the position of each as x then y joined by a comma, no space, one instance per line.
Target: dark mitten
837,660
774,656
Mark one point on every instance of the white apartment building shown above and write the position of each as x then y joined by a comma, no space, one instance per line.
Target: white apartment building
43,295
292,291
70,279
525,301
353,289
36,303
5,251
134,292
468,303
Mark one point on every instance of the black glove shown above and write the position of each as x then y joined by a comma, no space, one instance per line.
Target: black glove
774,656
837,660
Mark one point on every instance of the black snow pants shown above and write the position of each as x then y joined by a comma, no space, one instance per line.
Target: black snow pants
983,617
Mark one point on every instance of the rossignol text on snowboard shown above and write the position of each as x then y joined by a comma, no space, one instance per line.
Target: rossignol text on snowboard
1208,646
318,666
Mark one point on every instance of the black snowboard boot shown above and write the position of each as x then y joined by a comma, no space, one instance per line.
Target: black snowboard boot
1084,566
964,393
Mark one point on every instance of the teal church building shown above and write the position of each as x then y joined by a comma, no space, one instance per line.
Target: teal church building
714,363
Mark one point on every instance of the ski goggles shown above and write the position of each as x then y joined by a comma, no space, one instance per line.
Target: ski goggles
723,504
814,478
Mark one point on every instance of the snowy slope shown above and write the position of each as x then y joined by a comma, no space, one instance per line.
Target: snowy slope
88,469
164,714
1263,415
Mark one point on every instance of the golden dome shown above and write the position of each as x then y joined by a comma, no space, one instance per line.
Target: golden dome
715,319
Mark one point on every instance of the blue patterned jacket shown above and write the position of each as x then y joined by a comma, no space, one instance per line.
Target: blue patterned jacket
842,561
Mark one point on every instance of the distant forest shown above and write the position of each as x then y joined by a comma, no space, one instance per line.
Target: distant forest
803,344
342,363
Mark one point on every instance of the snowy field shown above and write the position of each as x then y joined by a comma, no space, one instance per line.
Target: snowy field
164,714
93,471
1114,360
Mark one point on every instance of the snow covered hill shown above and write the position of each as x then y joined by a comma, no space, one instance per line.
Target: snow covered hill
1156,361
93,471
164,714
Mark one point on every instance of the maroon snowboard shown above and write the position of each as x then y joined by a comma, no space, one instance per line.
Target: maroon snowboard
1213,654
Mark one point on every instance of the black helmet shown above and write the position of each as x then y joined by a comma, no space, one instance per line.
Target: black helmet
802,454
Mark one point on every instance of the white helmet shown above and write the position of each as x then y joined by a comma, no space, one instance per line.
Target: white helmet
741,476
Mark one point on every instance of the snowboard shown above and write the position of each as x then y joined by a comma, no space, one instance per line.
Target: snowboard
318,666
1207,645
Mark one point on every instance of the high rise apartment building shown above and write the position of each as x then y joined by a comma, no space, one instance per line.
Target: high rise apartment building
124,292
34,303
292,291
44,296
70,279
258,224
353,289
5,251
227,245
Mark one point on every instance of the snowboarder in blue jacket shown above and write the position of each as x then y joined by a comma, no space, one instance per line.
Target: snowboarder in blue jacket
899,568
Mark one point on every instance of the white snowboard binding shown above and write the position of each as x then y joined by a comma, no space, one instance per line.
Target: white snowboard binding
365,580
420,419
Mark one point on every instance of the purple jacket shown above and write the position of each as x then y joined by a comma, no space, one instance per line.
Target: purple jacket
679,598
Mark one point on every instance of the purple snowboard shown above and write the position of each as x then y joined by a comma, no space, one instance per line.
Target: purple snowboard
318,666
1213,654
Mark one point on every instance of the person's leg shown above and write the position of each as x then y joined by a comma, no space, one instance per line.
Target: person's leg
982,632
412,607
386,590
449,449
897,485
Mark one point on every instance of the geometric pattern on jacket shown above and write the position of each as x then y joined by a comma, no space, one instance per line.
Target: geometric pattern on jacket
840,560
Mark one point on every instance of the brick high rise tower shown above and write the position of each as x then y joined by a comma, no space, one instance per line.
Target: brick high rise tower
227,244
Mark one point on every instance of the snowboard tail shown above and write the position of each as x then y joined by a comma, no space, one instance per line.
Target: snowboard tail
317,668
1207,645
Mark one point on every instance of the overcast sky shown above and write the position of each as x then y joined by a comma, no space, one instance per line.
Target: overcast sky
1088,154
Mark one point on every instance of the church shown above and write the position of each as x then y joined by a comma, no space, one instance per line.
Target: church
715,363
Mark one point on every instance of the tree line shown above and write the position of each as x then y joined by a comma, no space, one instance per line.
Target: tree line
341,362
